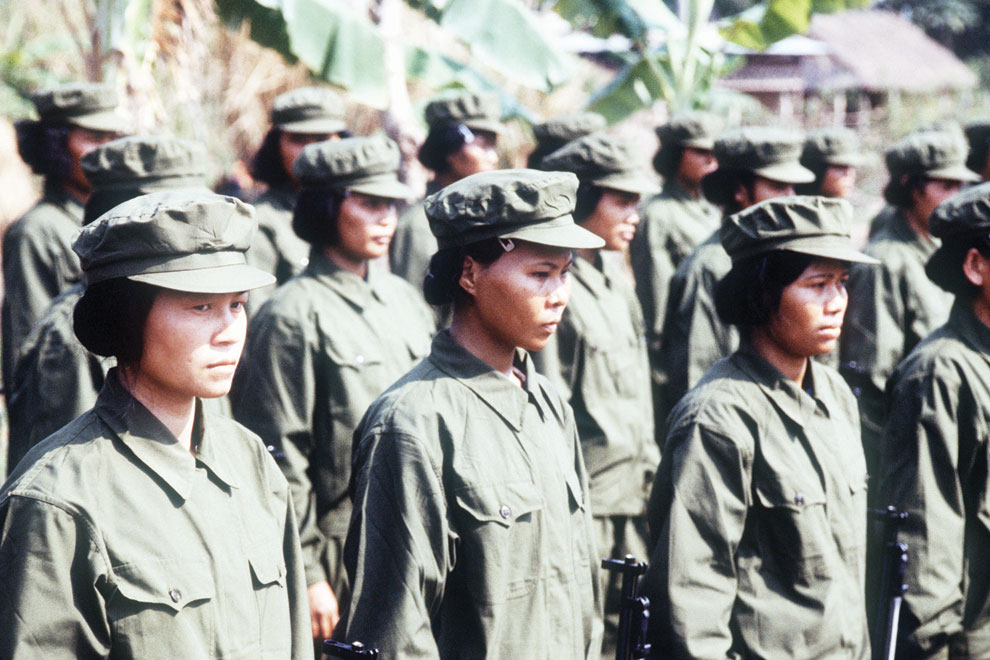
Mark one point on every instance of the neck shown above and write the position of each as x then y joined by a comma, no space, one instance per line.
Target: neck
692,189
588,254
76,190
355,265
794,367
917,222
469,331
444,179
176,412
981,309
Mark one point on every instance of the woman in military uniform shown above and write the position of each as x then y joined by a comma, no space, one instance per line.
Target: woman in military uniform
934,449
833,155
759,508
149,527
472,535
329,342
601,350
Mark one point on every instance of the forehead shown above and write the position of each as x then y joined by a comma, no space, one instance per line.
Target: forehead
826,267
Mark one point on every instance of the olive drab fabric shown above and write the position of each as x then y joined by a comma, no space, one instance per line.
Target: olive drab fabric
144,164
309,110
472,532
891,308
758,515
605,160
276,248
555,132
325,345
834,146
479,112
365,165
118,542
933,465
87,105
38,265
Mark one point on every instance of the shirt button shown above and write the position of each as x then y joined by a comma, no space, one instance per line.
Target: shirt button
359,359
175,595
505,511
799,499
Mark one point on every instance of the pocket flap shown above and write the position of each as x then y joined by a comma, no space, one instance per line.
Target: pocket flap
788,494
266,568
500,503
174,583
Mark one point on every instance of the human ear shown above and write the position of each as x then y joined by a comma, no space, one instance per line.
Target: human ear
976,267
469,275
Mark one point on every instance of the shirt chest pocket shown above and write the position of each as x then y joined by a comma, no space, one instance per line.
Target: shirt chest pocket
163,607
618,364
792,529
500,528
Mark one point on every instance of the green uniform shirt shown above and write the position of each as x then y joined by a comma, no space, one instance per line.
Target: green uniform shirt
117,542
471,535
759,519
413,244
318,353
892,307
38,264
56,379
604,375
673,224
276,248
933,465
694,338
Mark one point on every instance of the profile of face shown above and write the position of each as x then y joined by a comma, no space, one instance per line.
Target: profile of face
838,181
290,145
615,218
808,320
478,154
365,226
930,193
761,190
695,164
79,142
520,297
192,343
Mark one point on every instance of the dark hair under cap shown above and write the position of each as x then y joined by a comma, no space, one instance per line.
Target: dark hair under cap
697,130
963,223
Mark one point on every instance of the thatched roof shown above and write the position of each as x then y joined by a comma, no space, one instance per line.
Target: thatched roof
871,50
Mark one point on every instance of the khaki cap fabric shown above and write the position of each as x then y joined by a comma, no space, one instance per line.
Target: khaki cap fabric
480,112
965,213
832,146
604,160
772,153
561,130
691,129
362,164
530,205
819,226
146,163
181,240
87,105
934,154
309,110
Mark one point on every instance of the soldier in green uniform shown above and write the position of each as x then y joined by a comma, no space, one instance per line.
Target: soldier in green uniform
674,222
149,528
754,164
833,154
299,117
558,131
329,342
894,306
759,508
472,533
934,449
38,261
461,142
601,349
55,378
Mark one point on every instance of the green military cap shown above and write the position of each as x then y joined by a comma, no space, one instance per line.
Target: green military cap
145,163
561,130
363,164
529,205
836,146
604,160
480,112
183,240
309,110
958,221
690,129
772,153
936,154
819,226
978,137
87,105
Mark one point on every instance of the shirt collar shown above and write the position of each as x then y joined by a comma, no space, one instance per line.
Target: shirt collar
900,230
786,395
502,394
154,445
970,328
346,284
59,197
591,275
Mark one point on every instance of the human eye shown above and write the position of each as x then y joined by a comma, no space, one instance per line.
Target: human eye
202,307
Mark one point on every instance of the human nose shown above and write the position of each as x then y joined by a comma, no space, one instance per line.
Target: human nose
231,326
837,298
561,293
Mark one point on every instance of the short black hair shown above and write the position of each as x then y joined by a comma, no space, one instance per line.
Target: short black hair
442,283
315,217
111,316
267,164
818,168
442,140
44,146
898,193
667,160
587,198
945,268
749,295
